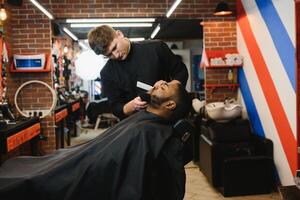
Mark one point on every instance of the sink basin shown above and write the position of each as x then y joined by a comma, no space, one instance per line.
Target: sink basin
223,112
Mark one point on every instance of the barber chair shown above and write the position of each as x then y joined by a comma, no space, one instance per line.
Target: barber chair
184,130
235,160
196,138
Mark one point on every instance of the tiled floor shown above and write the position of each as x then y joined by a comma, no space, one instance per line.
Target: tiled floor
197,188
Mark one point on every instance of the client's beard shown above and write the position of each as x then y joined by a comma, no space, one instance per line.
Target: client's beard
145,97
156,101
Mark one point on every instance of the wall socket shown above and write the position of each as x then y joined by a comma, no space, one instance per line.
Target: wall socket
35,113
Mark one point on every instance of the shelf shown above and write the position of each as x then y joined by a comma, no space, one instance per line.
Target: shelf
232,86
219,53
207,55
47,67
223,66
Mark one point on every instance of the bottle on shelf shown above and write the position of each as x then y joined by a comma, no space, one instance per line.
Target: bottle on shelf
230,75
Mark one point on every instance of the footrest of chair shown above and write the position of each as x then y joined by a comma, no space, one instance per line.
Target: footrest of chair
247,176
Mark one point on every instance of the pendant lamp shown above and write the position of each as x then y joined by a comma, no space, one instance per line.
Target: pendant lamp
222,9
3,14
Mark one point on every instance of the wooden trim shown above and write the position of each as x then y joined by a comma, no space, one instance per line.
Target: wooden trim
61,115
75,106
22,136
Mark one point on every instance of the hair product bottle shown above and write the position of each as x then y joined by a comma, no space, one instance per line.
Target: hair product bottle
230,75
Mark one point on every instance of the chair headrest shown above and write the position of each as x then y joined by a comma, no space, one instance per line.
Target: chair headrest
182,127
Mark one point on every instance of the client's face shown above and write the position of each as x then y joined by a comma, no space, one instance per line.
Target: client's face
164,92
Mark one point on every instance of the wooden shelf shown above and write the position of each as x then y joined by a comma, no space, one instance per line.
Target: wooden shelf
47,67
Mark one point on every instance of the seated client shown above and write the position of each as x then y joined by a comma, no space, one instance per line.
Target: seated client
138,158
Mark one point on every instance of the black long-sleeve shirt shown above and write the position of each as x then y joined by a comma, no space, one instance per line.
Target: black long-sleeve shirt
147,62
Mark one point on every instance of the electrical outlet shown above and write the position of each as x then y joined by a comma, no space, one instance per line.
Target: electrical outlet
35,113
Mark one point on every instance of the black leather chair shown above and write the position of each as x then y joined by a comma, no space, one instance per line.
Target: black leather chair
235,160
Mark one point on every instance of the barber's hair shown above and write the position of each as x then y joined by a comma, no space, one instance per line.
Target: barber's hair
183,103
100,38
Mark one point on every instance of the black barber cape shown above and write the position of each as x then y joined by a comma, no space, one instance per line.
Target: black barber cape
136,159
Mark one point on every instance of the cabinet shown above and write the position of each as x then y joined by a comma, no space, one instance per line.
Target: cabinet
213,60
14,135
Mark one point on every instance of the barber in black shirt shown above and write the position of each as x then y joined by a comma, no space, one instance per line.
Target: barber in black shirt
150,62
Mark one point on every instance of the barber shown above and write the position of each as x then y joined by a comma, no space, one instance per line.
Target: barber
150,62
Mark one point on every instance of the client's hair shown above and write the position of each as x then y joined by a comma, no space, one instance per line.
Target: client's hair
100,38
183,103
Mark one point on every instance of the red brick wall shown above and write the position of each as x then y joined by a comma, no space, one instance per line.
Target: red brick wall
129,8
29,30
218,76
219,33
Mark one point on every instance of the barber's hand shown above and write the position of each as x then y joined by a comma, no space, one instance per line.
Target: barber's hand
134,105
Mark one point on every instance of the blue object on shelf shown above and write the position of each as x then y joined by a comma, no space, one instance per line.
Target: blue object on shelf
25,63
29,61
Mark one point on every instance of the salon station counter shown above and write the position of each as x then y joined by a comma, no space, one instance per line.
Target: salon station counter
15,134
61,113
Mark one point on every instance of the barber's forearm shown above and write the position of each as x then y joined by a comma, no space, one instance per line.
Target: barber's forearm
128,109
135,104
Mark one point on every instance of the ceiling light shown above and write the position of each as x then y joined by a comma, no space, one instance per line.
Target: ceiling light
70,34
94,62
3,14
155,31
112,25
136,39
173,7
222,9
39,6
110,20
